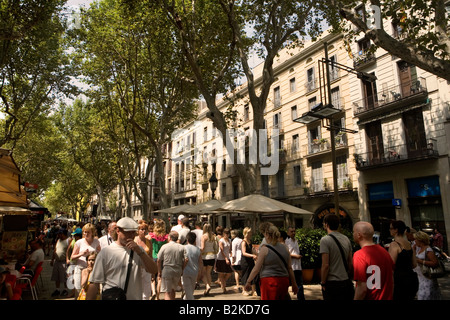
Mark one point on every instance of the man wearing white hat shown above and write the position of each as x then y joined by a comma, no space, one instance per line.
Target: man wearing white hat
110,267
179,226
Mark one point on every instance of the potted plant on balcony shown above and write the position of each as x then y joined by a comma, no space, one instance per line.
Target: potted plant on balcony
323,143
309,244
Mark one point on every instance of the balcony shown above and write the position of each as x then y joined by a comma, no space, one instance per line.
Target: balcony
399,154
391,97
363,59
311,86
321,146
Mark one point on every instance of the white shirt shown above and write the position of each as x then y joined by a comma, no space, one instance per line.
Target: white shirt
105,241
294,249
110,269
236,251
177,228
199,233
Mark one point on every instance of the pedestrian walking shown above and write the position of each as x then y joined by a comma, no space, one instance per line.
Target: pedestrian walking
373,266
274,267
158,237
406,282
294,251
83,247
110,268
236,256
428,288
223,261
209,248
248,260
336,253
190,272
171,262
59,263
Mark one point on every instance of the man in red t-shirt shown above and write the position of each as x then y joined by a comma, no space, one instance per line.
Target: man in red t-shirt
373,266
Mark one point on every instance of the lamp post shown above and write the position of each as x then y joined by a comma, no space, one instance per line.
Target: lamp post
326,111
213,183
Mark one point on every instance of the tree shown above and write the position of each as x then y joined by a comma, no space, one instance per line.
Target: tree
90,147
38,153
275,25
215,40
423,29
33,65
139,75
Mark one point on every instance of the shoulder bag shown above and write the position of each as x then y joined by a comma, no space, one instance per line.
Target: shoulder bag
344,260
433,272
117,293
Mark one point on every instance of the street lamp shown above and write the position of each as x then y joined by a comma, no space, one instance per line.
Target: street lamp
213,183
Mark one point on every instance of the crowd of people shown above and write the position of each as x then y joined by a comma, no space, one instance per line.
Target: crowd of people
147,259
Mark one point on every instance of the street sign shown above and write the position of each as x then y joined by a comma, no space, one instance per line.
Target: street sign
397,203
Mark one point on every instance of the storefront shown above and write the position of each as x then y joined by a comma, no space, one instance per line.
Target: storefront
381,208
344,216
425,205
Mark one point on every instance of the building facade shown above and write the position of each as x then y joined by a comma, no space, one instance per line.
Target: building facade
391,151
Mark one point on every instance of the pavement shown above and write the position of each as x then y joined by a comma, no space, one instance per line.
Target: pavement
312,291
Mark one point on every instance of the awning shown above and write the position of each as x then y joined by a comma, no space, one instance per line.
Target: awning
13,210
11,193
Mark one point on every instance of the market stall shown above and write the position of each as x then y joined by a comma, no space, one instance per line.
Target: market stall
14,211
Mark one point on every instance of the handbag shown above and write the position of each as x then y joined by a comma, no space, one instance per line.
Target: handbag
117,293
433,272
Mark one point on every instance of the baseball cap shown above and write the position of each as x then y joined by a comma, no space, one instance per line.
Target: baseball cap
127,224
77,231
180,217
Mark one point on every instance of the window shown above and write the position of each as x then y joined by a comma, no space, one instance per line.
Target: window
333,69
342,174
310,80
295,143
317,178
297,176
276,97
294,112
363,46
277,120
224,165
205,134
336,98
292,85
361,13
246,112
312,102
223,190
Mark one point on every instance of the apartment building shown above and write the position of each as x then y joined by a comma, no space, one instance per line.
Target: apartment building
304,176
401,148
391,150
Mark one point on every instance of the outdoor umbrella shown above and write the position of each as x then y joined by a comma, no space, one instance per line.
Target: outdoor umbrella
209,206
175,210
257,203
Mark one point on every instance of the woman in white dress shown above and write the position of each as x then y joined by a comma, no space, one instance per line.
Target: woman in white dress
428,288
